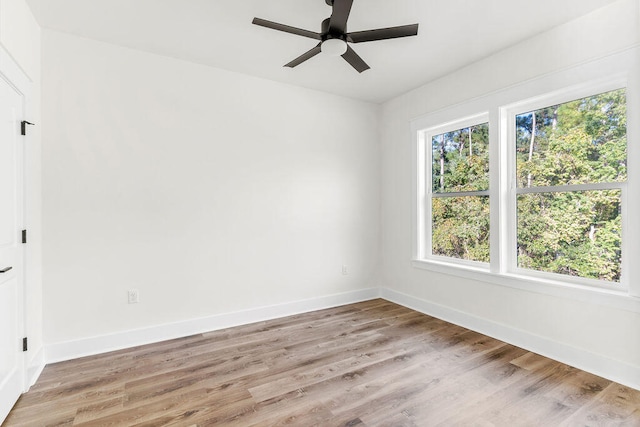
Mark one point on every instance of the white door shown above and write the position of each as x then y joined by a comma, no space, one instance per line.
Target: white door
11,258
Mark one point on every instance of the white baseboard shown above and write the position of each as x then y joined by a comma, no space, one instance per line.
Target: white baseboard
35,367
614,370
57,352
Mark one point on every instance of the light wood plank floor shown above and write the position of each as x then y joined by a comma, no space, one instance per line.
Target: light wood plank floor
367,364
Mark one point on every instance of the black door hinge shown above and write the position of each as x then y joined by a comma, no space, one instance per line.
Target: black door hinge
24,236
23,127
24,344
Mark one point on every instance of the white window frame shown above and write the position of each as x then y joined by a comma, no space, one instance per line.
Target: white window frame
425,176
590,78
508,117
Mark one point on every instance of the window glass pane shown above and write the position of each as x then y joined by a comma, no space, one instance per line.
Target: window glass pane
460,160
578,142
573,233
460,227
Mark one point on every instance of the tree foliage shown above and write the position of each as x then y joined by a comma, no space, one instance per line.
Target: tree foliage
460,163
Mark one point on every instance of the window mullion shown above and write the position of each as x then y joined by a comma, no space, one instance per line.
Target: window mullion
497,158
507,215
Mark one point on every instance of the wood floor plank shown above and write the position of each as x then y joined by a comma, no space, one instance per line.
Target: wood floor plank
616,405
373,363
452,388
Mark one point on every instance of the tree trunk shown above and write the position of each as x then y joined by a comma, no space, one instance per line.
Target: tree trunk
470,147
442,164
531,144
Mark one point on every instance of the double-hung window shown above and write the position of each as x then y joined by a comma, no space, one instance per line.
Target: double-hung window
458,191
569,165
552,205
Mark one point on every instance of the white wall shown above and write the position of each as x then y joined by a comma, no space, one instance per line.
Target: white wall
209,191
20,36
582,332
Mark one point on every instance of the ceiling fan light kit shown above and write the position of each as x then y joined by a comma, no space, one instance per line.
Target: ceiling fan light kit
334,39
333,47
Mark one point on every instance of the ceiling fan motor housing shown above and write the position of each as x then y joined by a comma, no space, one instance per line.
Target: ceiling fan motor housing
327,34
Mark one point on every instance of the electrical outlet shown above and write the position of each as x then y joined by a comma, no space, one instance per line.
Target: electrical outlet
345,270
133,296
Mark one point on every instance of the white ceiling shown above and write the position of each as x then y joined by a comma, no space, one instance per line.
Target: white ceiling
219,33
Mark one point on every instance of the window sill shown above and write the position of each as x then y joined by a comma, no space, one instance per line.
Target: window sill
618,299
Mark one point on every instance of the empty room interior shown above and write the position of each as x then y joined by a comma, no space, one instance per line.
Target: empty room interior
320,212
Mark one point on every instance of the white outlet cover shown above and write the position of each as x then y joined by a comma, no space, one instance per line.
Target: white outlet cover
133,296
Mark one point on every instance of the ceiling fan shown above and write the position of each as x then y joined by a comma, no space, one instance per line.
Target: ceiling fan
334,37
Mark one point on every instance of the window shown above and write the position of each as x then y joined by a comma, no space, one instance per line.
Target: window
458,213
571,167
531,189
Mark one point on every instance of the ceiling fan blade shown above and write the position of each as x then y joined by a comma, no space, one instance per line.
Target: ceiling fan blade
307,55
383,33
286,28
339,16
356,62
